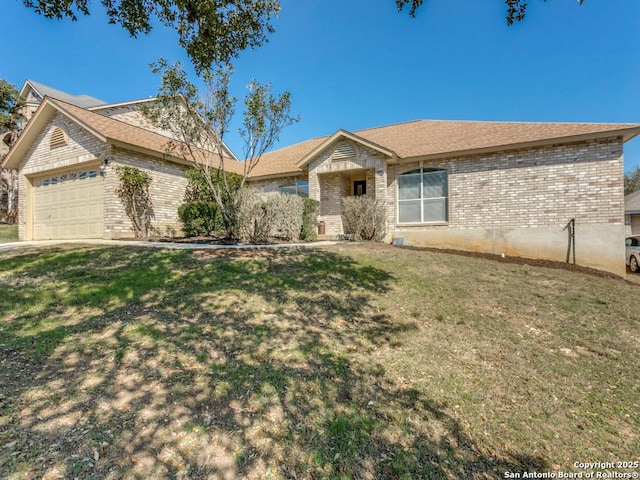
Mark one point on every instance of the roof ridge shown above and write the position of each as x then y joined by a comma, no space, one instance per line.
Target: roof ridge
119,104
519,122
384,126
129,125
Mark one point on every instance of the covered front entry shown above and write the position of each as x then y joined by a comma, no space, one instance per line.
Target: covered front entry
68,205
335,186
345,165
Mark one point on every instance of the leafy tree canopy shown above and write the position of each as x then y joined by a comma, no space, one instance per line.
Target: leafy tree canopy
211,32
10,105
632,181
516,9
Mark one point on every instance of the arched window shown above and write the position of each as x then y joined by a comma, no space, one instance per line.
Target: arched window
422,196
58,138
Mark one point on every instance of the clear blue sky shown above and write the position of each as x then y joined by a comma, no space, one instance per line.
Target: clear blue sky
356,64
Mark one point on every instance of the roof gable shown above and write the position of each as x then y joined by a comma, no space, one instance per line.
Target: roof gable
106,129
339,136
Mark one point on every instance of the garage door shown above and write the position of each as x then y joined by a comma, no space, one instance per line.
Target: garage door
635,224
68,205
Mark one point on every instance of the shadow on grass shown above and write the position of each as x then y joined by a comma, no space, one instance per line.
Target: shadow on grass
156,364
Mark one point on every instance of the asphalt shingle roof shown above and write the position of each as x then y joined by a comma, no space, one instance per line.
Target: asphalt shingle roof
284,160
441,137
128,134
632,201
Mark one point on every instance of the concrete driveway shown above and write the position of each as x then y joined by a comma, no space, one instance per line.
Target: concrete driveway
144,243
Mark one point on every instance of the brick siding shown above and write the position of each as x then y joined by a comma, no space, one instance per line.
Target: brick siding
533,187
167,194
132,115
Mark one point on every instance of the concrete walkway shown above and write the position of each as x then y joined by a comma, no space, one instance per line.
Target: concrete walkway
143,243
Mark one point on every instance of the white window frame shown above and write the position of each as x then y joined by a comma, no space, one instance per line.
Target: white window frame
421,171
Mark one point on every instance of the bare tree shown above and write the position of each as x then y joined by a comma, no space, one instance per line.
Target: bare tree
199,123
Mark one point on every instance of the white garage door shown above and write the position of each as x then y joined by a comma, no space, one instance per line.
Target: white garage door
68,205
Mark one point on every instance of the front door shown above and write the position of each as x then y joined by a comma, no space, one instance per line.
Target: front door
359,187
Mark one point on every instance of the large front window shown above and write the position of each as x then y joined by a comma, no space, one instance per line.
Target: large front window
300,188
422,196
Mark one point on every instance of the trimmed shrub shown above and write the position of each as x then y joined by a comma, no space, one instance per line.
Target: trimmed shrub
200,218
245,208
364,217
261,218
287,211
310,211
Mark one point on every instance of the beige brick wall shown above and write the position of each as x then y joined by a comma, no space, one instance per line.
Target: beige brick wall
518,203
132,115
167,194
82,147
531,187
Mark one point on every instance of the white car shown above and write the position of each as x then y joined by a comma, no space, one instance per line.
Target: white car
632,249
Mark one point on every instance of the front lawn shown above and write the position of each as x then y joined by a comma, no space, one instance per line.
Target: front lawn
354,361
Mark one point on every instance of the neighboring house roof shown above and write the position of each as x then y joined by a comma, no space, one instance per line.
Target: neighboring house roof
84,101
632,203
430,139
107,129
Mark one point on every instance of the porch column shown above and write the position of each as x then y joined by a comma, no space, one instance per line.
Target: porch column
314,185
381,190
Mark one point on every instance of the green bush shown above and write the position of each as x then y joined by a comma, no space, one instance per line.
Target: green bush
310,211
287,215
133,190
198,188
200,218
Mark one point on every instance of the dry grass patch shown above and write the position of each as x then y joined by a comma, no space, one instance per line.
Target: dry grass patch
357,361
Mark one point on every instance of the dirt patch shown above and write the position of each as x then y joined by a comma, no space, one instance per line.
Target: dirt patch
243,253
518,261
